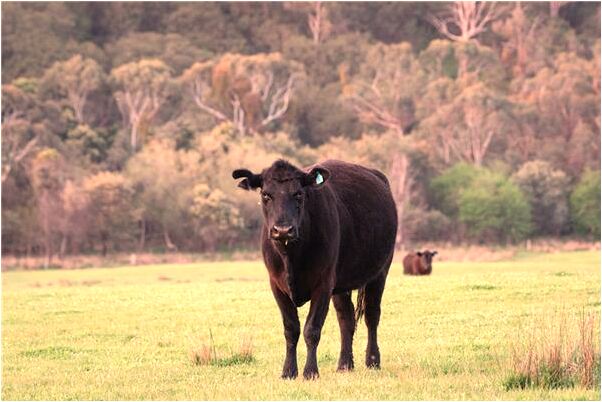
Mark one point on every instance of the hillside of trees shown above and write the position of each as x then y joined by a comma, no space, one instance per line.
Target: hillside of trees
122,122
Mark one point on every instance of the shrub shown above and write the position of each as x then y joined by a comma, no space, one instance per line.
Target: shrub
547,192
448,186
493,208
585,205
422,225
110,197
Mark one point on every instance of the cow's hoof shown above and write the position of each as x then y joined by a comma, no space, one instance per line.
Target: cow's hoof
373,361
311,373
345,365
289,373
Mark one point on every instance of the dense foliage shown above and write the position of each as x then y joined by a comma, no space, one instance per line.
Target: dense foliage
121,122
585,203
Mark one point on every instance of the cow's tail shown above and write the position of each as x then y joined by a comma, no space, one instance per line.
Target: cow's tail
360,307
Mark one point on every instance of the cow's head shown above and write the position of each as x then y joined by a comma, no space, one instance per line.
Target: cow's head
426,259
284,192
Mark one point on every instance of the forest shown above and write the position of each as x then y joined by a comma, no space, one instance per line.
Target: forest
122,122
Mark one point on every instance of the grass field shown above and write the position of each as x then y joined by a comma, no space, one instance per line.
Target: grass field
127,333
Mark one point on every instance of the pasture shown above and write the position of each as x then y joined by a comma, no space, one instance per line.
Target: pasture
128,332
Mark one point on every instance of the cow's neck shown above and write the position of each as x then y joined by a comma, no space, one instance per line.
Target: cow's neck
295,259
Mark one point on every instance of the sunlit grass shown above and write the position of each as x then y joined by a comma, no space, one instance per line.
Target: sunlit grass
132,332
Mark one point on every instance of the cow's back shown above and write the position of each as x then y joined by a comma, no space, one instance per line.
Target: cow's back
408,264
367,219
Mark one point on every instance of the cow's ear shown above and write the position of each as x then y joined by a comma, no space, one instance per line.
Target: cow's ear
251,181
419,253
316,177
434,253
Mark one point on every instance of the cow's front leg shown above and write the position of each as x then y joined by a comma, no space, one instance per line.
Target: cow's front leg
292,329
313,328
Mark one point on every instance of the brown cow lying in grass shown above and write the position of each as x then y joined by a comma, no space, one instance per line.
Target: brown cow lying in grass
419,263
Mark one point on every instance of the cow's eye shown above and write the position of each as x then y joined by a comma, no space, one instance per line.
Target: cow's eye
265,197
298,196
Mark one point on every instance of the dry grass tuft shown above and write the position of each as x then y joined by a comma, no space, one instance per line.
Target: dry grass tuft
206,354
246,348
589,358
560,354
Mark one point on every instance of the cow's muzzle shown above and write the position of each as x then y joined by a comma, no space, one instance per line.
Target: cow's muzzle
283,233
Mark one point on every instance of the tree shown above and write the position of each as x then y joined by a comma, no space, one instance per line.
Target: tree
77,221
564,104
216,215
531,40
111,203
465,125
493,208
251,92
547,192
165,178
318,22
33,37
402,180
93,144
75,79
47,173
142,87
468,18
384,91
397,21
18,139
317,19
173,49
461,60
421,225
208,25
521,39
555,7
448,186
585,205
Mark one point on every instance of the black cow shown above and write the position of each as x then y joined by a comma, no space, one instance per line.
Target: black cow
328,229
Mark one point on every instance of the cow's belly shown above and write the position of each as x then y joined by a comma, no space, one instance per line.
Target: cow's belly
362,258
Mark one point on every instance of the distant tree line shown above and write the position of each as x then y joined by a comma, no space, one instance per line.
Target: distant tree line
121,122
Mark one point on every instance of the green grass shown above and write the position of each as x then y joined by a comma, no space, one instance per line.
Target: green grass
128,333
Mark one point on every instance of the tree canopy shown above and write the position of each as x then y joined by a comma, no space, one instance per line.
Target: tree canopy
121,122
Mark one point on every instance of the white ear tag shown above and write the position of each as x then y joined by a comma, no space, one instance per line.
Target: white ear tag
319,178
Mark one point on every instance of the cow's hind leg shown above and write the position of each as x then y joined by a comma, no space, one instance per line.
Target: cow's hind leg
344,307
373,297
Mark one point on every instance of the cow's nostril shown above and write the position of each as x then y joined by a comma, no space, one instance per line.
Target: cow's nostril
282,230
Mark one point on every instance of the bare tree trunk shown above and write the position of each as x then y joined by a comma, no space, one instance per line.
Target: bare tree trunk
555,7
142,240
8,164
63,247
45,210
470,18
28,253
104,238
400,186
168,243
134,137
48,252
318,23
78,103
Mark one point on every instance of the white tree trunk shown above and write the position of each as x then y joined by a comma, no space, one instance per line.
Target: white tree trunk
400,186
